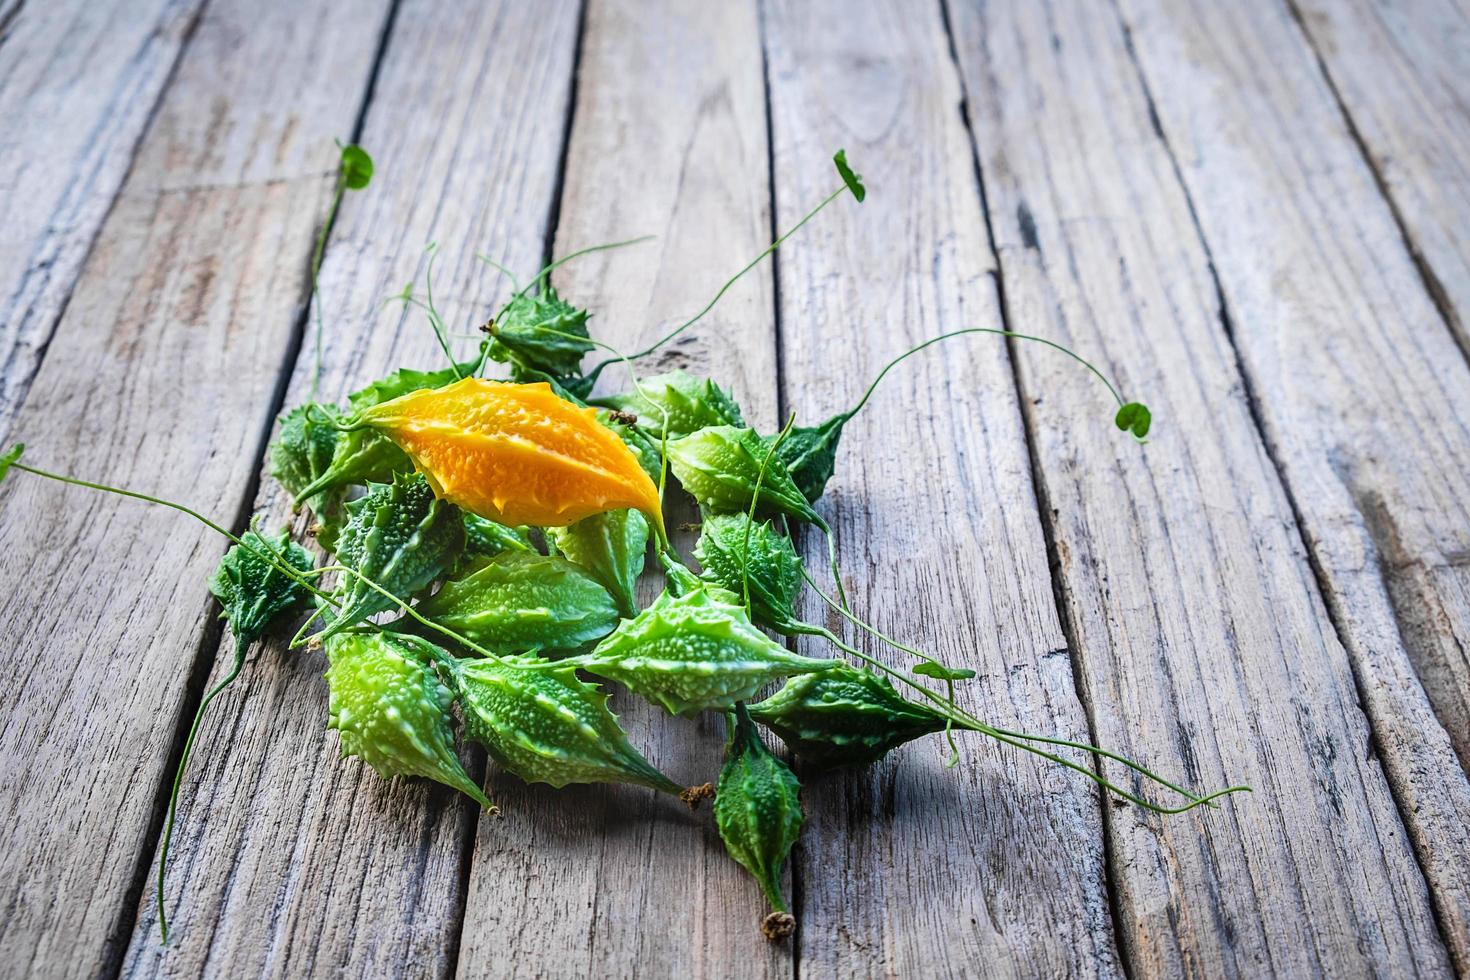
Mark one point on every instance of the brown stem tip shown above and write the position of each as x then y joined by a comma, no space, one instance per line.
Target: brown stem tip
695,795
627,418
778,925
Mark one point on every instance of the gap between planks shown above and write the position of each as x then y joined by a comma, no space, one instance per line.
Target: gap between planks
212,636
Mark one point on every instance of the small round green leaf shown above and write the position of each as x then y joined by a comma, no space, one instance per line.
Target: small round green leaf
356,167
1134,417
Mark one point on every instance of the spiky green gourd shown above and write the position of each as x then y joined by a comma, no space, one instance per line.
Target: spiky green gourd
694,652
686,402
542,333
758,812
391,710
741,555
399,536
520,602
844,717
810,454
721,465
546,726
612,547
252,590
303,450
484,539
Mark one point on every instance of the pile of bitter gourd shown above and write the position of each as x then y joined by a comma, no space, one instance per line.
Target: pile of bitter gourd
484,539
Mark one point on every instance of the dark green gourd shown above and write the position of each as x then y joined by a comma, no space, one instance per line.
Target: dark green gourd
844,717
758,812
399,536
749,557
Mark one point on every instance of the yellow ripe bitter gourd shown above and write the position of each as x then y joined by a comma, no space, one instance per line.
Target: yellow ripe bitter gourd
516,453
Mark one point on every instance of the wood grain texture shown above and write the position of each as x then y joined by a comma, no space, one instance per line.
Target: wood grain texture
1399,73
358,876
78,84
165,366
1338,338
1204,642
910,869
668,138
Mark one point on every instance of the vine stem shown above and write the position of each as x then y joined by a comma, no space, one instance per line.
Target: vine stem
173,796
1014,739
1112,389
597,370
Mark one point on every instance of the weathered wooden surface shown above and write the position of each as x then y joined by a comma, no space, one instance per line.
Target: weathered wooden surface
1198,620
364,877
78,83
1399,72
1337,337
668,139
1249,213
911,869
161,377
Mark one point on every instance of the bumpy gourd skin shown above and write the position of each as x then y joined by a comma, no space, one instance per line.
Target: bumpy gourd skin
392,711
519,602
485,539
399,536
516,453
613,548
757,809
720,466
688,403
737,554
546,726
810,455
844,717
252,590
541,332
694,652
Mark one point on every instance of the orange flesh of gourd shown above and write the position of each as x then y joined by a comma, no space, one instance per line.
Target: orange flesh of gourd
516,453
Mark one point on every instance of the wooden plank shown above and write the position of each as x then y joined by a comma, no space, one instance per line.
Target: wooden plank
359,877
910,869
1399,73
166,364
1337,337
1205,644
668,138
78,84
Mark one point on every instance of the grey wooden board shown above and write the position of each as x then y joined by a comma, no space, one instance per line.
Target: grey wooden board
293,862
1399,72
1205,645
1337,336
668,138
78,83
362,877
910,869
161,377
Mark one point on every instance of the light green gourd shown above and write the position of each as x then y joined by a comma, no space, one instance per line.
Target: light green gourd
391,711
694,652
